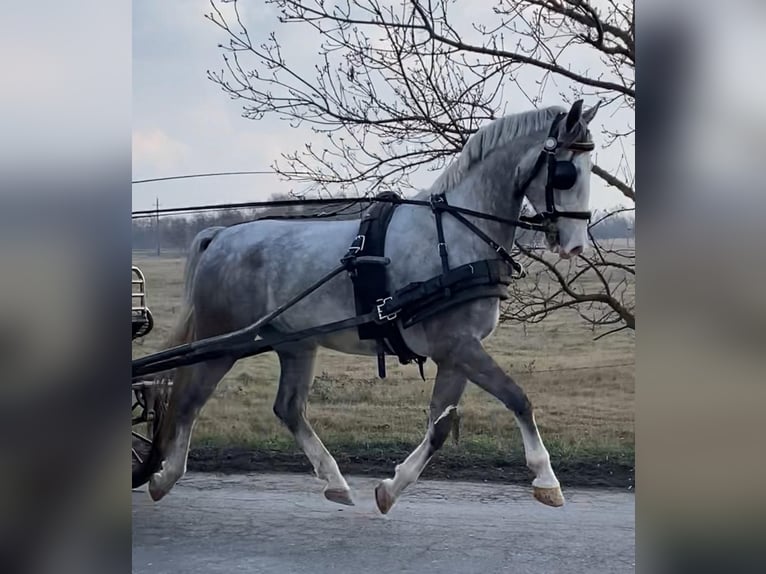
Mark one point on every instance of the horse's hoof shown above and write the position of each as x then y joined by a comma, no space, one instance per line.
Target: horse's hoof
156,488
549,496
339,495
159,485
383,498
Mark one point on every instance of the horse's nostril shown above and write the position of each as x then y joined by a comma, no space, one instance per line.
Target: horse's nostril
577,250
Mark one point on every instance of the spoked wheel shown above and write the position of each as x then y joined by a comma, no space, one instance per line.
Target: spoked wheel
143,323
150,401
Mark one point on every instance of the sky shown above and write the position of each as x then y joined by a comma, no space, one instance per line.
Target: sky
183,123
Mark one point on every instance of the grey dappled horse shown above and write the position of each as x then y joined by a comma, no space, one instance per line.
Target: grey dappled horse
238,274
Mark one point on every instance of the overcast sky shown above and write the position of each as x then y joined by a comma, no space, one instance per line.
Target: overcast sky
183,123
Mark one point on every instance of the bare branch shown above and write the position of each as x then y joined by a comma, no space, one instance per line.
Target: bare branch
610,301
626,190
520,58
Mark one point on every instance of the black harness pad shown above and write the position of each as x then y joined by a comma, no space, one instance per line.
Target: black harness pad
371,281
480,279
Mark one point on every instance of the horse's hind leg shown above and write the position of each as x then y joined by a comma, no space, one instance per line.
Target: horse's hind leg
296,376
482,369
448,388
187,399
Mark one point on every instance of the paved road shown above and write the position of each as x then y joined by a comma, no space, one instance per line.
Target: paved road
281,524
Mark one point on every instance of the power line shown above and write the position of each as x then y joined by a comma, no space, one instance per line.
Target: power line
193,175
144,213
524,221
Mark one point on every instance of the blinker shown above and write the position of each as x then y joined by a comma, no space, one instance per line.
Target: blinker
564,175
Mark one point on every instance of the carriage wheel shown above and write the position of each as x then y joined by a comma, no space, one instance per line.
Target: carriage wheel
150,400
144,326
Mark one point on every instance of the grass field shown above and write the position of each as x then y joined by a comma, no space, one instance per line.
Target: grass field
582,390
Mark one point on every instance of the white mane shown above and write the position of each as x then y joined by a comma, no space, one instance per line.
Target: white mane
491,136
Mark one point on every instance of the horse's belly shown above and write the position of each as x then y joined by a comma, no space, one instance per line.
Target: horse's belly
347,342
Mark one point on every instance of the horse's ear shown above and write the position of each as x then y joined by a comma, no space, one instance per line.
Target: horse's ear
590,113
574,115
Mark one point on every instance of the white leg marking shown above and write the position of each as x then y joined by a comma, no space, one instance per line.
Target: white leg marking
325,467
324,464
538,459
174,467
408,471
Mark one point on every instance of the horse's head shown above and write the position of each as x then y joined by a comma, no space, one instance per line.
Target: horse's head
556,181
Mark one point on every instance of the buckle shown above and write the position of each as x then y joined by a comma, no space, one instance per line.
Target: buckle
357,248
515,265
519,268
381,316
437,199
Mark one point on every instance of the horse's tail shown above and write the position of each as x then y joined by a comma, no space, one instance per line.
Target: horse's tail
184,328
182,333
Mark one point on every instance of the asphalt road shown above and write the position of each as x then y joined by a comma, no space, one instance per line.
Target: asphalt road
281,524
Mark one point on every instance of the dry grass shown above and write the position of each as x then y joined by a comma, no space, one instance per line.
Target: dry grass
584,404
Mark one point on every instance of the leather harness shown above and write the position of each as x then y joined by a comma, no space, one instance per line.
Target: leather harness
479,279
419,300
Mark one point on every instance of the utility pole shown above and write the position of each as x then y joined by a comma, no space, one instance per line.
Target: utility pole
157,223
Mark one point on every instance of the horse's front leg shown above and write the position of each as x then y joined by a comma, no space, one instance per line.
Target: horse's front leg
482,369
297,373
448,388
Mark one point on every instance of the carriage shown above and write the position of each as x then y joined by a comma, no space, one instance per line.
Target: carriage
473,267
143,320
148,396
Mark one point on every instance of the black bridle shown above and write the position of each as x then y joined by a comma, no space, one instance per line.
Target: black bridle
562,175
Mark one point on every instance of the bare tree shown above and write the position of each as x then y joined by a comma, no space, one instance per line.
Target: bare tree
398,87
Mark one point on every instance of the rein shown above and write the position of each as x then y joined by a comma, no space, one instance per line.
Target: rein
525,222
